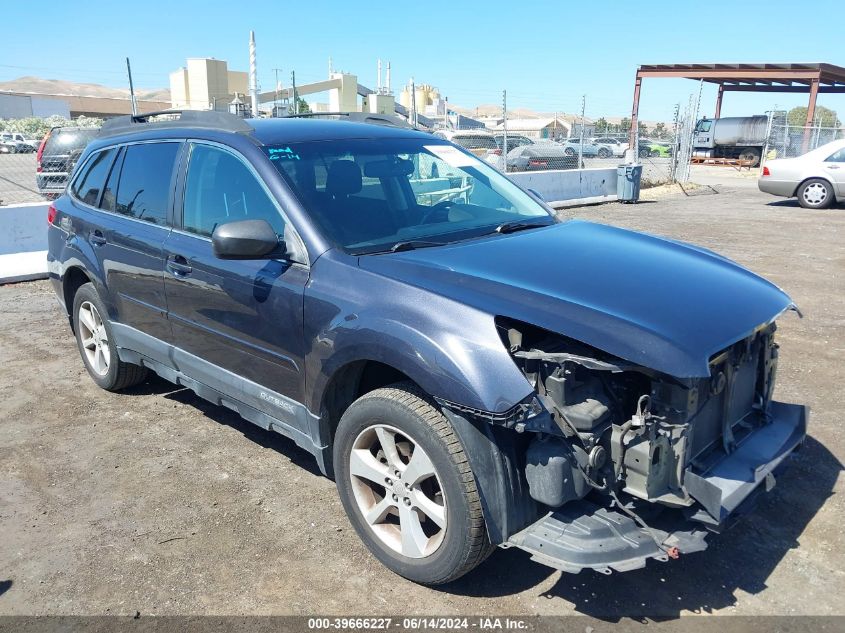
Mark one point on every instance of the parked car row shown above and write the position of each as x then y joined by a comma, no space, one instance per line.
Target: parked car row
525,153
16,143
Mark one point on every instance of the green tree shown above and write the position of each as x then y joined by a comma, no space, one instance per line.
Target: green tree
602,126
641,128
624,124
37,127
798,116
302,106
660,130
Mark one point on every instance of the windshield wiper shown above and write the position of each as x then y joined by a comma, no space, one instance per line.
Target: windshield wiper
518,225
410,245
398,247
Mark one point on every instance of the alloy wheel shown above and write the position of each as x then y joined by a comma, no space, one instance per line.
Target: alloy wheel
398,491
93,338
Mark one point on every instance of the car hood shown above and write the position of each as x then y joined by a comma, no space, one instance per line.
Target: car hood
655,302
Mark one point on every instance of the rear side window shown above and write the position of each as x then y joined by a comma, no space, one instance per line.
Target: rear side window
89,183
221,189
475,142
145,181
838,157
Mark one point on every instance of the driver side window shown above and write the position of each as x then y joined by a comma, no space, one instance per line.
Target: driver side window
220,189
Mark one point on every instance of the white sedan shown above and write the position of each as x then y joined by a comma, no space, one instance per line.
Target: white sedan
817,178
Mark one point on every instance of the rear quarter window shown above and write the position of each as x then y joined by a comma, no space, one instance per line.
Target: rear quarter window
89,183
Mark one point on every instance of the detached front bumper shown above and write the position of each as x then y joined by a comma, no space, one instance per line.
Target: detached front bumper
583,535
724,487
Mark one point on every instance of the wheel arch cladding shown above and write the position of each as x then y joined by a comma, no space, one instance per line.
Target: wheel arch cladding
497,459
74,278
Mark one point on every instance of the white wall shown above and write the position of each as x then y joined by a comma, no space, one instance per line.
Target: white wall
23,228
592,185
23,242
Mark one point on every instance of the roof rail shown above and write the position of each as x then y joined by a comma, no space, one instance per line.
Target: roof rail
208,119
359,117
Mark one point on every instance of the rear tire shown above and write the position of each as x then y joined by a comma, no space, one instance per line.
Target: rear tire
96,343
428,528
816,193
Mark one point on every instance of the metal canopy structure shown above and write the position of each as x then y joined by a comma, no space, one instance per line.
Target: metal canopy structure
795,78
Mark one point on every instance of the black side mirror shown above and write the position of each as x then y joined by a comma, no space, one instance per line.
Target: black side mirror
246,239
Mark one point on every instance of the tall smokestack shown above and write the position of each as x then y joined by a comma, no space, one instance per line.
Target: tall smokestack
253,75
387,80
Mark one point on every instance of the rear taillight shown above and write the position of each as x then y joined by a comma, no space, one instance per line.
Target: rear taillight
40,152
766,171
51,214
496,152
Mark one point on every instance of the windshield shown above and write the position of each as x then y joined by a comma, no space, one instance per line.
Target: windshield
370,195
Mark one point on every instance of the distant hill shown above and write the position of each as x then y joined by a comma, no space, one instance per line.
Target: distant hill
37,85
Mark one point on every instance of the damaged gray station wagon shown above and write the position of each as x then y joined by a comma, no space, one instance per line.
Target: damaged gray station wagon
471,371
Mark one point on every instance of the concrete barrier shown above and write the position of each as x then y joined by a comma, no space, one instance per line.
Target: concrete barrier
23,242
560,187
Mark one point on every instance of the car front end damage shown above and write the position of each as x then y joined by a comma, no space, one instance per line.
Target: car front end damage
627,463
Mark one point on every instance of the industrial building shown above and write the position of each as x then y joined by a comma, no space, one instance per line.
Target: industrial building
205,83
33,96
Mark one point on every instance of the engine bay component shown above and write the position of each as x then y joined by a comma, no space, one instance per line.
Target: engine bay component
553,472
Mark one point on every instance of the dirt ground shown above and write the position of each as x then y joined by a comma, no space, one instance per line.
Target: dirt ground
154,501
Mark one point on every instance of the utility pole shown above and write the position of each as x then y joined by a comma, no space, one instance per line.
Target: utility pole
132,102
581,142
293,91
413,116
505,131
276,97
253,76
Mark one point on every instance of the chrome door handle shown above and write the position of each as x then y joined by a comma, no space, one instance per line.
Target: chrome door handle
178,265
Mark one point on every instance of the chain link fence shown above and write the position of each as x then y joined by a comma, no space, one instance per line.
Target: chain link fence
785,140
37,155
514,141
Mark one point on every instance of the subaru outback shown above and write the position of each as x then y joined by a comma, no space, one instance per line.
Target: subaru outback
472,371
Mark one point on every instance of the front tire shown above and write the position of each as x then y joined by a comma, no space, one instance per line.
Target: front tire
96,343
816,193
407,487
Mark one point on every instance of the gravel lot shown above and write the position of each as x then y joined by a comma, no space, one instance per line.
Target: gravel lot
154,501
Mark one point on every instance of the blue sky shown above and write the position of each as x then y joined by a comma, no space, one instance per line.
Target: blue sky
546,54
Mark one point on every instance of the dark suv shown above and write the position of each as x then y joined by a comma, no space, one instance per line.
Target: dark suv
470,370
